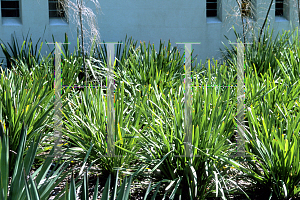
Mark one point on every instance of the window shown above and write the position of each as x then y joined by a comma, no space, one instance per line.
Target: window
10,8
279,8
56,9
246,8
282,10
211,8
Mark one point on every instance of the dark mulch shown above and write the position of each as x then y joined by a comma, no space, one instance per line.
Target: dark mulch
139,187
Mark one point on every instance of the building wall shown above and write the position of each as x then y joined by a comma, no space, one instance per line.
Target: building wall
149,21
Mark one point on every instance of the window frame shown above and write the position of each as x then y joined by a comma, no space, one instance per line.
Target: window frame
217,18
57,20
279,9
246,10
56,10
285,11
209,9
16,9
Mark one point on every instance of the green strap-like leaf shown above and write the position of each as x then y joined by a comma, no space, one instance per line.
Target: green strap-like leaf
72,191
105,194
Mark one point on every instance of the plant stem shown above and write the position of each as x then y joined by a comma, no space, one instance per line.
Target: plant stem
242,17
298,11
82,42
263,26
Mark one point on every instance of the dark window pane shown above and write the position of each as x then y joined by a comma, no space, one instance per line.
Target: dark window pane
56,14
61,14
246,8
279,12
52,13
279,8
52,6
56,9
10,13
211,8
9,4
10,8
211,13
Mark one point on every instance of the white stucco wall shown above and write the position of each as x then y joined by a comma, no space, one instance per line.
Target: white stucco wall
177,20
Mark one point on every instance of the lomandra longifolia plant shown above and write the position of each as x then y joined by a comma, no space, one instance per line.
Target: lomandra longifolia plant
272,138
28,52
269,53
162,139
23,184
86,121
24,99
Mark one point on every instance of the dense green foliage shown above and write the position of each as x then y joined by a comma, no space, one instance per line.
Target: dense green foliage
149,124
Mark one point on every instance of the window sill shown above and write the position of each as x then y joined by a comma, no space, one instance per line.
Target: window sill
280,19
57,21
11,21
211,20
248,19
